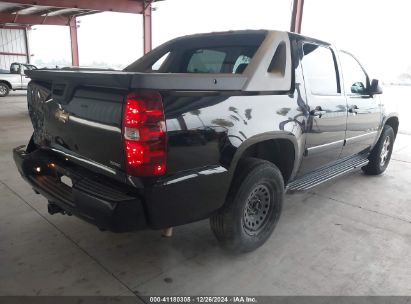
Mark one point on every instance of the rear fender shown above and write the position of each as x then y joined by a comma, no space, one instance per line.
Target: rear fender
261,138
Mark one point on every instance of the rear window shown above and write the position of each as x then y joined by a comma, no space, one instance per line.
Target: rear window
232,60
228,53
206,61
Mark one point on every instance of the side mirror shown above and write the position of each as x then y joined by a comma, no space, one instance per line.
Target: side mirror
358,88
375,87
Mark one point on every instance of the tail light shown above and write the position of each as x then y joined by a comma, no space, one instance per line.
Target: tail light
144,134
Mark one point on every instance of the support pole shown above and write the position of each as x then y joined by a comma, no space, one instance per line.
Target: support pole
74,42
26,39
297,16
147,28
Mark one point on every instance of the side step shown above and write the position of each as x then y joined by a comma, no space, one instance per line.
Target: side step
325,174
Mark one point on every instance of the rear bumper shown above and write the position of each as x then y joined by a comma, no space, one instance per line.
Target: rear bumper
94,199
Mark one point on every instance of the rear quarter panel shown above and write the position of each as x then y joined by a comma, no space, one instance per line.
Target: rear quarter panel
206,137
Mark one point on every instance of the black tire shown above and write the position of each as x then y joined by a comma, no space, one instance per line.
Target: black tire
4,89
381,154
253,207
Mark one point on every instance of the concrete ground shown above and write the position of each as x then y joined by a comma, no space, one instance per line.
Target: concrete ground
350,237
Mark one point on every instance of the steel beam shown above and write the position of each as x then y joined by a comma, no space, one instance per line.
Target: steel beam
147,28
34,19
26,40
121,6
16,9
14,27
49,11
74,42
13,54
297,16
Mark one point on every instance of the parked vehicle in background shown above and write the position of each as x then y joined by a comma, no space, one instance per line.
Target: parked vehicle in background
217,126
15,78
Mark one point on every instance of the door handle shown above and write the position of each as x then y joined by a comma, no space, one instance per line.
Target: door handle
318,111
353,109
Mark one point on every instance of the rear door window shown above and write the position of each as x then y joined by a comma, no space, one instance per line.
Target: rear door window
320,70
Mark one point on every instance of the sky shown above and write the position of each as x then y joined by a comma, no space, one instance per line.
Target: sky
376,31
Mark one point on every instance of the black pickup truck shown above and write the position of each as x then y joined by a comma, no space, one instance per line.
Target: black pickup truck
217,126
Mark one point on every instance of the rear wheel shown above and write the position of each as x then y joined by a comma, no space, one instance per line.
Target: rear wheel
381,154
4,89
252,209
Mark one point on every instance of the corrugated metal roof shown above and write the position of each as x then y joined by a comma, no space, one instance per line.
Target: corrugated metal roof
25,9
60,12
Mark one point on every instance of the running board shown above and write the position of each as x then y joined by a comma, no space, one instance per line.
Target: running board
325,174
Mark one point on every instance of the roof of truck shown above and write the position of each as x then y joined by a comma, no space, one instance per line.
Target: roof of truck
250,32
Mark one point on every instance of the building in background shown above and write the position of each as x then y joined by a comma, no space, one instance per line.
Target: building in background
14,46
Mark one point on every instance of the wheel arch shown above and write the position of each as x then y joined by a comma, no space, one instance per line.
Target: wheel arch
7,83
285,156
393,122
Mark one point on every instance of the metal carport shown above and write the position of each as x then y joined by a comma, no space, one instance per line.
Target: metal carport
21,14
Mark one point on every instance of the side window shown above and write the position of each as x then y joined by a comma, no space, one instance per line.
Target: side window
319,70
355,79
206,61
157,65
15,68
240,64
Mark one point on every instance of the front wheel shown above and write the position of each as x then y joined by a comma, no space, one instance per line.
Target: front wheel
4,90
381,154
253,207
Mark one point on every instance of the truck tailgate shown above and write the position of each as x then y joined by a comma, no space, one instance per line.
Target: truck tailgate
82,122
78,113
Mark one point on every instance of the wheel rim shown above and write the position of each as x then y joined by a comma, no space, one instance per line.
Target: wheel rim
3,90
257,209
385,151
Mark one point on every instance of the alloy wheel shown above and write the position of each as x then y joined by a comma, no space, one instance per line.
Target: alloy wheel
385,151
